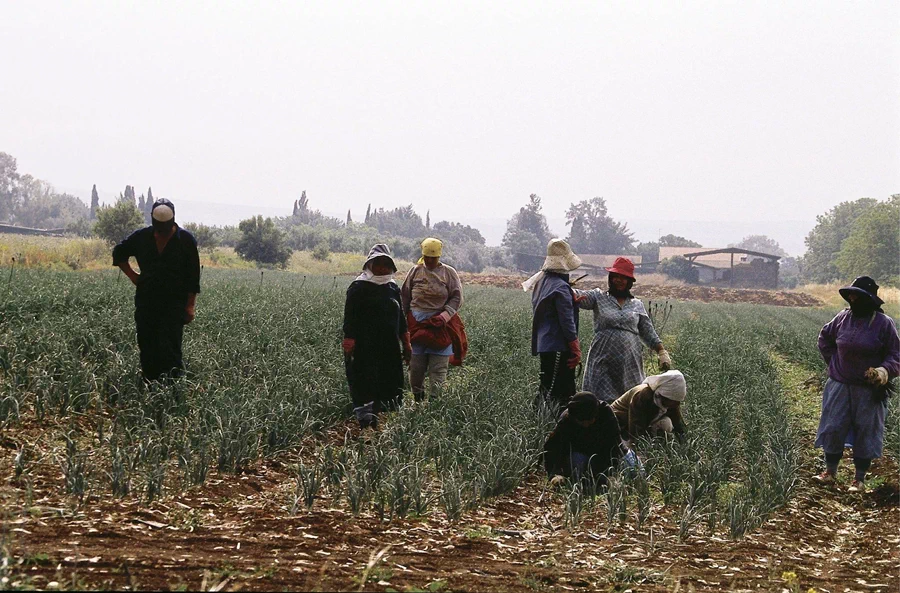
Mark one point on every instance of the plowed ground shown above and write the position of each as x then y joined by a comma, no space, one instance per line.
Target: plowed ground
236,532
706,294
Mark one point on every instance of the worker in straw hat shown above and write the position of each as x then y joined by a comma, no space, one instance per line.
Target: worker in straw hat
862,350
554,324
615,360
376,339
432,297
167,288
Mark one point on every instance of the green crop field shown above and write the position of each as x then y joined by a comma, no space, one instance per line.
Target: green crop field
266,382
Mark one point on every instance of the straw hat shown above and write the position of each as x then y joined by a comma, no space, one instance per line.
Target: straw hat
560,257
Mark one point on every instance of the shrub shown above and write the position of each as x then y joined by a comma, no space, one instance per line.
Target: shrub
116,222
679,268
321,251
262,242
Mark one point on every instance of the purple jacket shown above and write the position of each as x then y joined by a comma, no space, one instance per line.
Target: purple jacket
851,345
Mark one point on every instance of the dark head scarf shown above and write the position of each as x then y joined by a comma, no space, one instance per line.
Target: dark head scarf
583,406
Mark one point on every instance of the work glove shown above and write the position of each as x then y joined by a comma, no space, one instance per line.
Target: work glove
557,480
348,345
575,354
407,348
877,376
665,361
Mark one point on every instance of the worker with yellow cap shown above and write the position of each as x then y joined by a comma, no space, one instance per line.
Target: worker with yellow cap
431,297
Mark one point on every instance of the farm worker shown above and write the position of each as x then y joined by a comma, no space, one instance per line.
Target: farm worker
653,407
167,288
374,333
554,325
862,351
615,362
432,296
585,441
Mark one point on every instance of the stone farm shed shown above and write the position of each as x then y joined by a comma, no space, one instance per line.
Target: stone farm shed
731,266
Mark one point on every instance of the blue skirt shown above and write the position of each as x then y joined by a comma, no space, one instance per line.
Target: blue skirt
850,409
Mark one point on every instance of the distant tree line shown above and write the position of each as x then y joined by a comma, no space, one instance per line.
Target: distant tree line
853,238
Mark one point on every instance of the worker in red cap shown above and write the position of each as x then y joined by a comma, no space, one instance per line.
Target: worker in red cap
621,324
167,288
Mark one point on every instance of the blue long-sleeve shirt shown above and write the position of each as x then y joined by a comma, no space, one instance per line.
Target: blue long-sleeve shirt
555,321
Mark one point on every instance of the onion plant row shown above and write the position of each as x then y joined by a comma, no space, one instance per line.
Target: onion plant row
265,372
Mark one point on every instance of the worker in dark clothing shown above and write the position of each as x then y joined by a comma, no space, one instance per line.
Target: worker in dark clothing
374,331
585,442
167,288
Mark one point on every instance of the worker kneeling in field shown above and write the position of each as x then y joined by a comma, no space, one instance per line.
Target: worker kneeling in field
653,407
585,442
167,288
374,332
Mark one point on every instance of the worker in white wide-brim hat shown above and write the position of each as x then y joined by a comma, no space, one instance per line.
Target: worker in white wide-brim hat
554,323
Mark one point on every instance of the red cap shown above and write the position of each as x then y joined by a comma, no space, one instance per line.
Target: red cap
622,266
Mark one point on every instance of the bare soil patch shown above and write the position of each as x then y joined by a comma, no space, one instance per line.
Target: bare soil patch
706,294
236,532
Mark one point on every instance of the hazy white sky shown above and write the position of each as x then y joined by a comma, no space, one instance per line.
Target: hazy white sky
757,116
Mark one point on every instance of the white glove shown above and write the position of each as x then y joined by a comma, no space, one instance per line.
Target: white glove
877,376
665,362
664,424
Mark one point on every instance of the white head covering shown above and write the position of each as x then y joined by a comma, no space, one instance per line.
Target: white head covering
163,213
670,385
560,258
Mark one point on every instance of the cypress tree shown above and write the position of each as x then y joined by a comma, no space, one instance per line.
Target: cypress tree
148,206
349,220
296,208
428,219
368,213
95,202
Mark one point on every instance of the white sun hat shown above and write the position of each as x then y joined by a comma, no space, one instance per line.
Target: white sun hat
560,257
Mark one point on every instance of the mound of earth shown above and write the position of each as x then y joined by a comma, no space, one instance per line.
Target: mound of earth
706,294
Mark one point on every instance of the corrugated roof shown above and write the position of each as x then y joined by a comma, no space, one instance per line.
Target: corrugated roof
715,260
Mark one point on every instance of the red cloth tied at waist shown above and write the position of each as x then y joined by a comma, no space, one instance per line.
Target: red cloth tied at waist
438,337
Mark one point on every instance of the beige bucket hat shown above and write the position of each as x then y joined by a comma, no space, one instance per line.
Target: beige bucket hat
560,257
